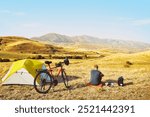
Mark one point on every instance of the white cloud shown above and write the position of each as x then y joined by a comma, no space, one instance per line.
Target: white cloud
141,22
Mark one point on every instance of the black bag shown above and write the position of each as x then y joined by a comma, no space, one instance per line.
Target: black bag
120,81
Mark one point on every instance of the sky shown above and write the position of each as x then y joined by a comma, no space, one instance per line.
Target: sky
113,19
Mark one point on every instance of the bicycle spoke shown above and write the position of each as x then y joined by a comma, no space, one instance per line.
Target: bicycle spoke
65,79
42,82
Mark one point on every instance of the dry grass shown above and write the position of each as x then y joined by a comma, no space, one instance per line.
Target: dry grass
137,78
23,45
137,75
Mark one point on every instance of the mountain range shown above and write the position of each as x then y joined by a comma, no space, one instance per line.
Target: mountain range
85,41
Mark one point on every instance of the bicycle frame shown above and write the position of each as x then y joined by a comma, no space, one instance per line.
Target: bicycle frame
59,69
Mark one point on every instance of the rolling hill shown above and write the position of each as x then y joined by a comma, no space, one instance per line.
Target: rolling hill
15,47
85,41
135,58
25,45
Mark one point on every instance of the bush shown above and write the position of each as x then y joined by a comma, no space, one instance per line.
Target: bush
58,57
4,60
68,56
77,57
129,63
39,57
34,52
33,57
17,59
101,56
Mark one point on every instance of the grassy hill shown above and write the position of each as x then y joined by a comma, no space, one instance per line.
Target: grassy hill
24,45
138,58
20,47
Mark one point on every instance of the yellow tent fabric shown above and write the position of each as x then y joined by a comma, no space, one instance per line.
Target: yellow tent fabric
27,65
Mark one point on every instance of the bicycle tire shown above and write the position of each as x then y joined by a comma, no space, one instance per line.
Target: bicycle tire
43,82
65,79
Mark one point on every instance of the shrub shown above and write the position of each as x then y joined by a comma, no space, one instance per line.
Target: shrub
17,59
58,57
34,52
5,60
39,57
33,57
69,57
129,63
101,56
77,57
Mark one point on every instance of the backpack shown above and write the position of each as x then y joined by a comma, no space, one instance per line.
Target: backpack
120,81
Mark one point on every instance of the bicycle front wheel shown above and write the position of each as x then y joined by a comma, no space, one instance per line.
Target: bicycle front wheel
42,82
65,79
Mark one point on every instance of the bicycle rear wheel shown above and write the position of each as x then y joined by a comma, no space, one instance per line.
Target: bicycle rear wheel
43,82
65,79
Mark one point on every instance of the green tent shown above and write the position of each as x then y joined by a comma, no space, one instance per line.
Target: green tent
22,72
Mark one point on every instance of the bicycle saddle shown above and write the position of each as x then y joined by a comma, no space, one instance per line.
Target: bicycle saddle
48,62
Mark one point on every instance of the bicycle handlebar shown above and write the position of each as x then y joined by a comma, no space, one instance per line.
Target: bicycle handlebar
66,62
